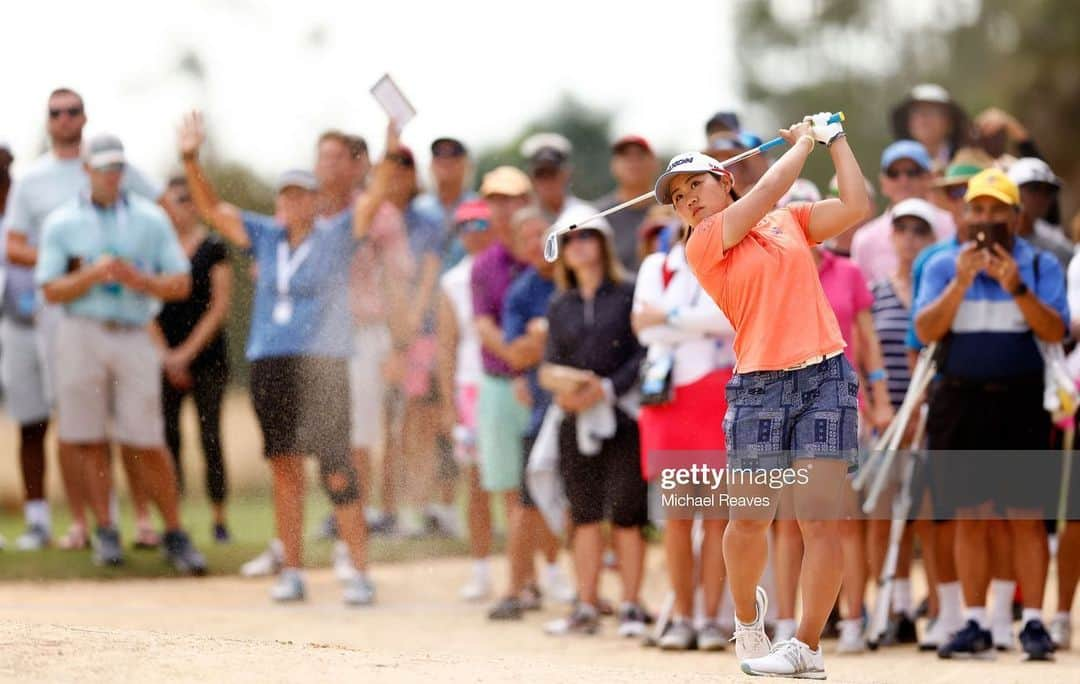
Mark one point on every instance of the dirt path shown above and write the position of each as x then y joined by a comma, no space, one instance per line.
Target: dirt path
226,629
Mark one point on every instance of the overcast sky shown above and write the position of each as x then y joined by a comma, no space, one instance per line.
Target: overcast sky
279,71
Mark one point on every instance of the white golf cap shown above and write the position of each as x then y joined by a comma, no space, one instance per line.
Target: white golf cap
540,141
578,215
919,208
104,149
686,163
297,178
1032,170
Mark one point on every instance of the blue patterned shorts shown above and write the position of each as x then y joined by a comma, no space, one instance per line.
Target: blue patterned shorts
776,417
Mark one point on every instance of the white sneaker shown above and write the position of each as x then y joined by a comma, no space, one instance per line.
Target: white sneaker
289,586
267,563
558,586
35,538
938,633
791,658
1061,632
1002,635
477,589
851,637
359,590
785,629
344,570
751,640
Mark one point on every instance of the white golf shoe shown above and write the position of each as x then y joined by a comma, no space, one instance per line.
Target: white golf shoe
267,563
791,658
751,640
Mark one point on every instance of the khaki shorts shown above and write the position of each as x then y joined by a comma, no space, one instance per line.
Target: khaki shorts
367,386
104,372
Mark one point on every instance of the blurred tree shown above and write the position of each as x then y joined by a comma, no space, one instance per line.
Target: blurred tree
587,129
1021,55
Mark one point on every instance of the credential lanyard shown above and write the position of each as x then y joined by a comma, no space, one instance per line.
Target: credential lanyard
289,264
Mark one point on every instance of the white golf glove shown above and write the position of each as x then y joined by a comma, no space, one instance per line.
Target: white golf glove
823,131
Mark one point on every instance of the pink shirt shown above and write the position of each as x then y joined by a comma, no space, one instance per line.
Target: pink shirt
846,290
385,254
872,248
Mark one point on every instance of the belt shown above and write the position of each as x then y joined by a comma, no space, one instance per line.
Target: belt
814,360
115,326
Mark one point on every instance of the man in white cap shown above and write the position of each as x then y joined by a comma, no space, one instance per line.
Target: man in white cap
27,333
1039,187
109,257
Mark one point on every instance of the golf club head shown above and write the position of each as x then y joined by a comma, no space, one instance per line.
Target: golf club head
551,247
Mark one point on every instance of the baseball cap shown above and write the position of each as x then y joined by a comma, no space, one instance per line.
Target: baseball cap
297,178
722,121
505,180
905,149
472,210
993,183
546,149
104,149
1032,170
448,147
956,174
919,208
688,162
628,140
930,92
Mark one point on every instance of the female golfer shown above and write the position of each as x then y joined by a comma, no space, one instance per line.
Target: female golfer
792,401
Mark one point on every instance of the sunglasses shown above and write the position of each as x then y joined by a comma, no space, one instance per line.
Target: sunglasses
956,192
910,173
473,226
401,160
70,111
916,226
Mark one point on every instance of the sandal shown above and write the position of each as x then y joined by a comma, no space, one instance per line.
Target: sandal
76,539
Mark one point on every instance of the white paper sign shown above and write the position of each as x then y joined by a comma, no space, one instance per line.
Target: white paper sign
393,102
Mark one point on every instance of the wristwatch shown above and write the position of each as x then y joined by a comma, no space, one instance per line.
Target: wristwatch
1021,290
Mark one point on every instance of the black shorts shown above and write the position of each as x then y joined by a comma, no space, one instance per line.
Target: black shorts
608,484
1001,434
302,403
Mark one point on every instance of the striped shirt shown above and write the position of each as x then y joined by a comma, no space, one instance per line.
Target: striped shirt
991,337
891,321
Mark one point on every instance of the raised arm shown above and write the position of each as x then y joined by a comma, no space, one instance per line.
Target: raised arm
833,216
745,212
221,216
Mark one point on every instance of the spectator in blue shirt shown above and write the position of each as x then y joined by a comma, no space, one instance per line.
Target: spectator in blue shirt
299,345
987,303
525,332
110,257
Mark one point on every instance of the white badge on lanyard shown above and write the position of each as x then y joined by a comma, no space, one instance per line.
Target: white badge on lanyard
287,266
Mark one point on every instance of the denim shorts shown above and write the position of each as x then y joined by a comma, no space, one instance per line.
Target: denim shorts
776,417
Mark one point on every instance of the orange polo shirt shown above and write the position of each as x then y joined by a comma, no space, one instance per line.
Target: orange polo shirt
768,287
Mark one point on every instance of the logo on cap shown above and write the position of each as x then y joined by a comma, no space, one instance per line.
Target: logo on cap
680,162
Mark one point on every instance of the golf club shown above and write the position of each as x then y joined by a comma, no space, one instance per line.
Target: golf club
551,244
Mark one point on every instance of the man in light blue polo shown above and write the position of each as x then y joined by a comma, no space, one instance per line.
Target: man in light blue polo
109,257
28,330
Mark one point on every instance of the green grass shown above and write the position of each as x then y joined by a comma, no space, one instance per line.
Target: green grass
251,524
